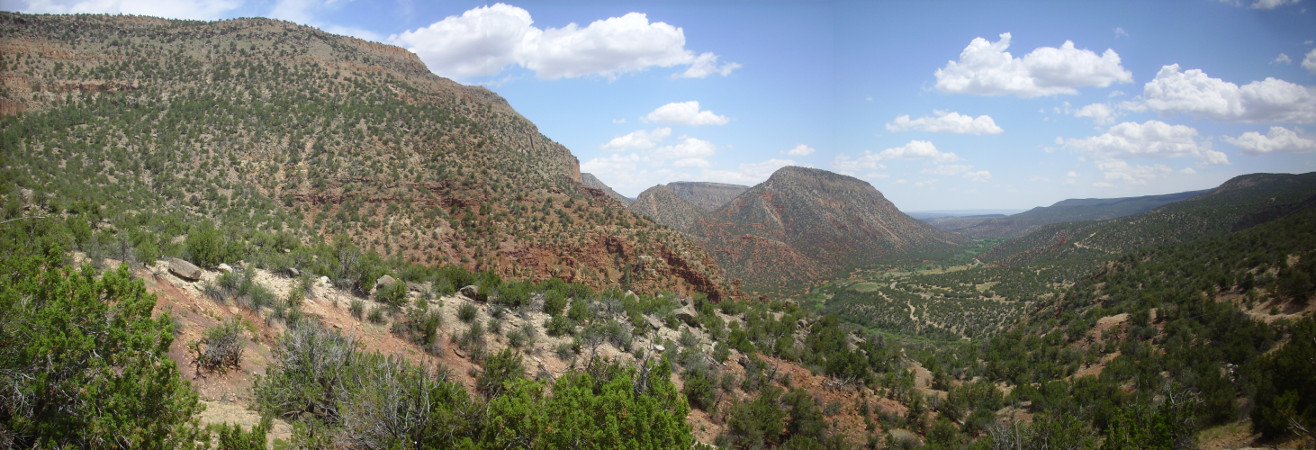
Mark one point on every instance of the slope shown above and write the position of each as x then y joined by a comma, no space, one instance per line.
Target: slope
261,126
709,196
662,205
1234,204
806,224
1072,210
593,182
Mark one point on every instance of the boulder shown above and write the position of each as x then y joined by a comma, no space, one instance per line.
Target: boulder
183,269
659,348
469,291
225,267
293,272
653,322
386,280
688,315
324,281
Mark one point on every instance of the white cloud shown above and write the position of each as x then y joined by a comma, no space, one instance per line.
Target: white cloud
945,122
1100,113
688,148
1195,93
1119,32
1150,139
961,170
485,40
1282,59
1309,62
1279,139
985,68
705,65
918,150
762,170
684,113
692,162
1119,170
1271,4
176,9
801,150
619,121
617,163
638,139
870,160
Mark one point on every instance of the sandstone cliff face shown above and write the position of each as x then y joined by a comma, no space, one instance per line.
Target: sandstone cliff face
251,121
709,196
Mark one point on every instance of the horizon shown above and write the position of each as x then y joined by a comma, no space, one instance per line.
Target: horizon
973,106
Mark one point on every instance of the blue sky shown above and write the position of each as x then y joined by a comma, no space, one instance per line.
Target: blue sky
940,105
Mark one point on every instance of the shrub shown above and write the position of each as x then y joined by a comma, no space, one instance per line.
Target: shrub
358,308
498,370
377,314
554,302
466,312
73,378
393,294
220,349
700,388
558,326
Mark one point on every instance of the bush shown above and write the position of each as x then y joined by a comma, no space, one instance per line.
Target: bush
358,308
700,388
377,314
83,363
393,294
554,302
220,349
498,370
466,312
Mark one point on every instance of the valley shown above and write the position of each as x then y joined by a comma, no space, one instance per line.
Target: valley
250,233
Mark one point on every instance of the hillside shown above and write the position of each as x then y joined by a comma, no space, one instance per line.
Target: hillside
260,126
1072,210
807,224
662,205
1235,204
593,182
709,196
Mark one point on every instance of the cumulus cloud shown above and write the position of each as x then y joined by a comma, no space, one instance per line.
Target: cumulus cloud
638,139
1194,92
1282,59
1150,139
1271,4
945,122
688,148
961,170
1119,170
914,150
178,9
485,40
1309,62
986,68
801,150
1279,139
705,65
684,113
1100,113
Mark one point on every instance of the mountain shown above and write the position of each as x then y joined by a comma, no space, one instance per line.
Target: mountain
709,196
593,182
662,205
1238,203
260,126
1072,210
806,224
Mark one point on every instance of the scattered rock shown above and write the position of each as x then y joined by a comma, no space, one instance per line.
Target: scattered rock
659,348
386,280
324,281
688,315
293,272
631,295
183,269
469,291
225,268
654,322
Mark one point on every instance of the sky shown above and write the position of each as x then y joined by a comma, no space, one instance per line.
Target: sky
945,105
